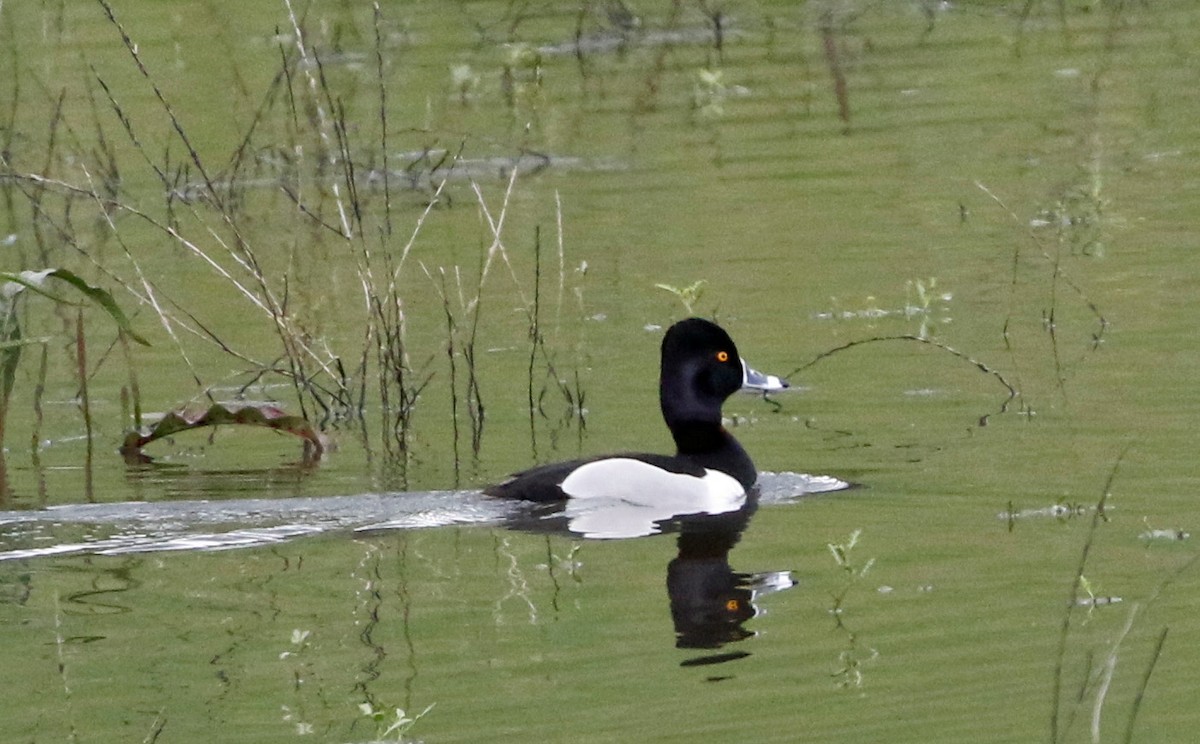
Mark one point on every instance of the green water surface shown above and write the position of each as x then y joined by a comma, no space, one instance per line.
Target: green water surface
1003,195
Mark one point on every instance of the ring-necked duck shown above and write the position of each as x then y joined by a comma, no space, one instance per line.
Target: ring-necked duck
710,471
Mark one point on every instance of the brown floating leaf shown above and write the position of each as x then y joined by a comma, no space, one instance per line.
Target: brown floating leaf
259,414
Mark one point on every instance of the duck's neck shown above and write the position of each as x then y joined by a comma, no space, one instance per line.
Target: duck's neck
700,437
711,446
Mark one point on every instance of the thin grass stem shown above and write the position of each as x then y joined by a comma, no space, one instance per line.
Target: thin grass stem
1077,580
1145,682
85,405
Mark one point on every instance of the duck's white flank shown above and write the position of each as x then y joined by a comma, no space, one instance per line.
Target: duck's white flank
636,482
623,497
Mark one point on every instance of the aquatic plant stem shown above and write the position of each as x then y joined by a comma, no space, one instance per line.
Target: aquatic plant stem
195,156
59,644
240,251
451,332
982,367
1158,647
384,149
1023,20
473,393
1141,691
135,391
534,330
1110,668
1058,277
829,44
323,123
496,225
1076,582
84,404
35,435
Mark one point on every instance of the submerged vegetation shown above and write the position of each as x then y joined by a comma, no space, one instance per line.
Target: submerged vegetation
345,188
855,655
13,341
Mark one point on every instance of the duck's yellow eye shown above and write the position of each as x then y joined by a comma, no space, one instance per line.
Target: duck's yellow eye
731,604
722,356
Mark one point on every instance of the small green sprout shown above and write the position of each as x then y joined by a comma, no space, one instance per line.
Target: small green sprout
386,726
688,295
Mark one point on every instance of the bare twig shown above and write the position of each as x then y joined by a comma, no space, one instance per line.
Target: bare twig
1012,391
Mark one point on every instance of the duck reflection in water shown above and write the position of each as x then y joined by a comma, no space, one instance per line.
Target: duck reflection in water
709,600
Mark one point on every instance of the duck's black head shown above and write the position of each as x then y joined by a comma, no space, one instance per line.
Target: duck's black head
700,369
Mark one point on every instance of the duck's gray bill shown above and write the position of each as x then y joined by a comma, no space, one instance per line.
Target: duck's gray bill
756,381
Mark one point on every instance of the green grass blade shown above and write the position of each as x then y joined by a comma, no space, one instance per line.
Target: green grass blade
33,280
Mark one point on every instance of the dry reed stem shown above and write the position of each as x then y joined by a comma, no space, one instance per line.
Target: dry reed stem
290,336
322,116
150,297
497,227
